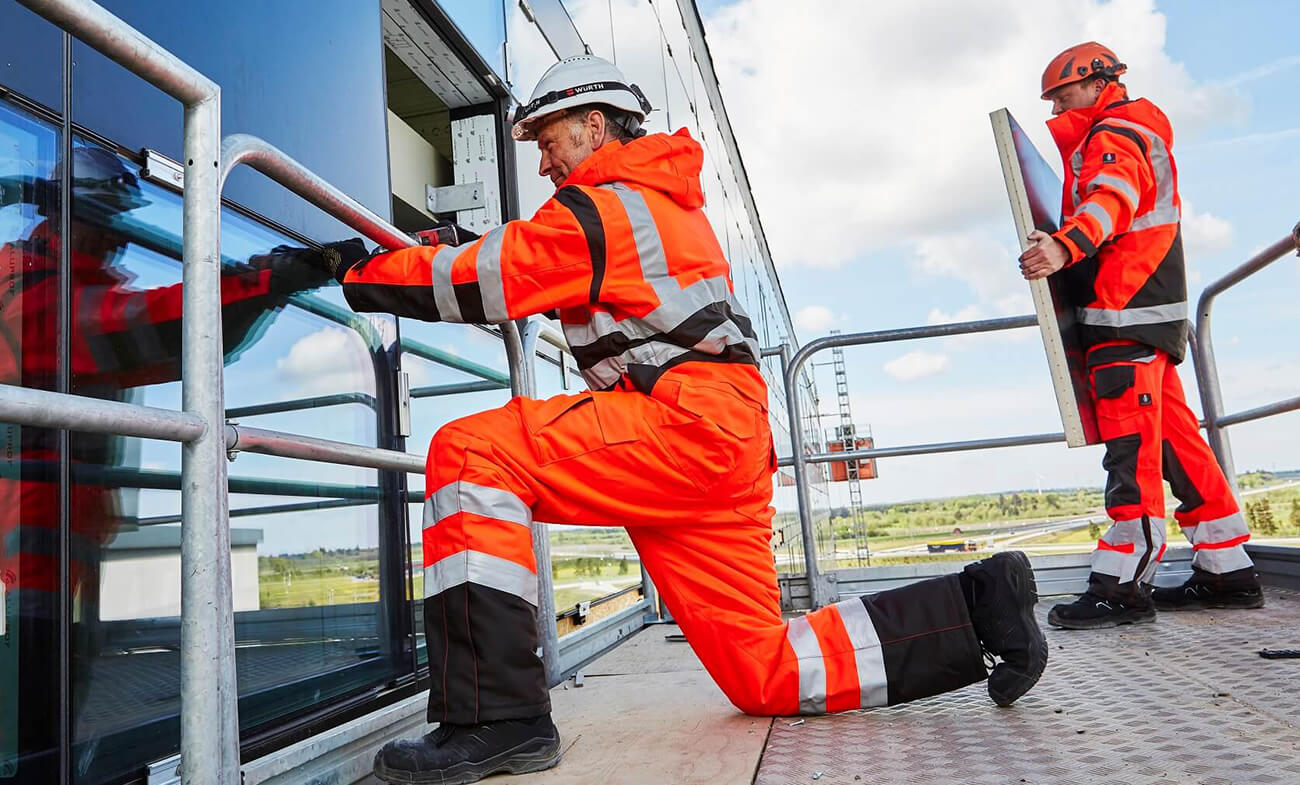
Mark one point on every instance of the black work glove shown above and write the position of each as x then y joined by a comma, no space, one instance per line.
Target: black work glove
292,269
342,256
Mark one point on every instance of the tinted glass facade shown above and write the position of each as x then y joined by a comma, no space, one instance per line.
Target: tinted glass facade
90,303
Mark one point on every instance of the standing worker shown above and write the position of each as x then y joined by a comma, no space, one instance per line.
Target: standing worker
671,441
1122,250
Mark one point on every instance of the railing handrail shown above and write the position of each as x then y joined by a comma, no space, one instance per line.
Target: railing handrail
1206,367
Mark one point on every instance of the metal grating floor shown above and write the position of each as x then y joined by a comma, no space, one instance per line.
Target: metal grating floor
1186,700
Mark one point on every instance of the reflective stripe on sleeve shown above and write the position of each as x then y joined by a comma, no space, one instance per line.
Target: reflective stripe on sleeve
1098,212
460,496
1119,184
481,569
867,652
491,286
812,670
443,293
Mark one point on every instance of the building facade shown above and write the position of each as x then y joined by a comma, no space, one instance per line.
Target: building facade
399,103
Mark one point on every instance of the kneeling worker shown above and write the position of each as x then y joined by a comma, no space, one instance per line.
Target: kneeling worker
672,441
1122,249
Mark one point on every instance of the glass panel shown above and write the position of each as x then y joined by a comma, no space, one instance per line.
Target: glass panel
310,617
484,23
29,457
640,55
33,58
530,56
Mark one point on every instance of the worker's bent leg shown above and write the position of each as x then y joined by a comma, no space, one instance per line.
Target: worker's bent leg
720,585
1223,575
1126,382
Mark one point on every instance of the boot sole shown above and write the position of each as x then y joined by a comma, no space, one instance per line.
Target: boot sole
1022,578
509,762
1203,606
1103,623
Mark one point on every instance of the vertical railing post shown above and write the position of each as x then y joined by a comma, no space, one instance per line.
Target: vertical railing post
209,692
790,372
521,351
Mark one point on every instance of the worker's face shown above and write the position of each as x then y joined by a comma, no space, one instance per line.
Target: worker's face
1076,95
566,141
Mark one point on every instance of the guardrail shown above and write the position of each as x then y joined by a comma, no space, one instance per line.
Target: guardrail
1207,370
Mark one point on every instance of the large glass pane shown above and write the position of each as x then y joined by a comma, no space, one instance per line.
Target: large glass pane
29,457
530,56
312,617
484,23
641,56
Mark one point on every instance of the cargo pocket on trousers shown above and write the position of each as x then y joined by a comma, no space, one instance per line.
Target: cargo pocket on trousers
563,427
708,435
1115,396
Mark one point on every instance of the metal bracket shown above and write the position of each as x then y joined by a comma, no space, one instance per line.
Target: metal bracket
454,198
403,404
828,586
162,170
584,610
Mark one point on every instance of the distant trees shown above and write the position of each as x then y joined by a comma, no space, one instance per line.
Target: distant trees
1259,516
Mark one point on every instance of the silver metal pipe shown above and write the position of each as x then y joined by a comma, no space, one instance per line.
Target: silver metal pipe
42,409
791,369
239,149
523,375
209,690
127,47
209,722
771,351
240,438
1260,412
553,338
930,449
301,404
457,388
1207,369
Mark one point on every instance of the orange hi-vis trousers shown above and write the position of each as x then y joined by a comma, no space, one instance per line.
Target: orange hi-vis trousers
1151,435
687,470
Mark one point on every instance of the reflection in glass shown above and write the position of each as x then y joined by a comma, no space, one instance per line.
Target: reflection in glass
123,500
29,457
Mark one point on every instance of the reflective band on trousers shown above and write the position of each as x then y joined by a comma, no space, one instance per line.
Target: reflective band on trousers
1126,547
1130,317
461,496
1218,530
867,654
481,569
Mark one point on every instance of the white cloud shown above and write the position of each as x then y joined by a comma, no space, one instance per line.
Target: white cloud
864,125
986,266
814,319
326,361
1204,234
916,365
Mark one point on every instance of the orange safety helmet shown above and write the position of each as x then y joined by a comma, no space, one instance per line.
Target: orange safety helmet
1080,62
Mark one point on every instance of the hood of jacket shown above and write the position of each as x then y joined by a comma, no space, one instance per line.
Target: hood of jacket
666,163
1070,128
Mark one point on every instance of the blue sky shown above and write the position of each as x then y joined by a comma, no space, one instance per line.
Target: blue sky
864,129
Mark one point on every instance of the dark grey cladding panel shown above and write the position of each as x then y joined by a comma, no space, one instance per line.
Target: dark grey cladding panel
307,77
31,56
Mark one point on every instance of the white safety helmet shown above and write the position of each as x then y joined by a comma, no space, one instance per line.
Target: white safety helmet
578,81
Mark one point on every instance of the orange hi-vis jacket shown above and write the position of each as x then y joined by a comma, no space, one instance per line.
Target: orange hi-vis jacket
622,254
1120,223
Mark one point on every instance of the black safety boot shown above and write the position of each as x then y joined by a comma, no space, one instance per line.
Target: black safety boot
458,754
1002,600
1092,611
1236,589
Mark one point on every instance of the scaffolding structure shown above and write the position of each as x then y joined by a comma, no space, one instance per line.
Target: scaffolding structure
847,435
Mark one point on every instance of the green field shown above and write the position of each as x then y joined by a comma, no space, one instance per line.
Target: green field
591,562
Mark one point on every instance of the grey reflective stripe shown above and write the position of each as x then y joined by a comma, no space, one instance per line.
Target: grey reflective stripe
812,669
1218,530
1221,560
481,569
1124,565
1098,212
461,496
867,651
1131,317
1124,187
443,293
490,284
1163,212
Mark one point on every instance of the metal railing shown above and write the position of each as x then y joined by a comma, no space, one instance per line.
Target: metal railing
209,694
823,589
1207,370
